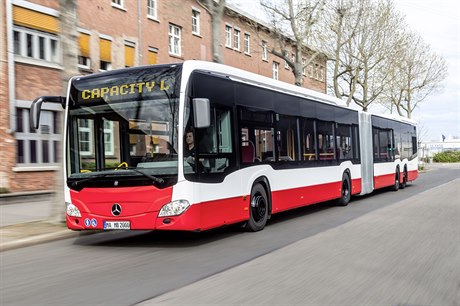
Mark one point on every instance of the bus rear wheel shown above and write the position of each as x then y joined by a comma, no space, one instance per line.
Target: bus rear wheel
345,191
258,210
403,184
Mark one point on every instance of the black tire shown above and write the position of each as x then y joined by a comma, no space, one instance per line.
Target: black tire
395,187
345,191
258,209
403,184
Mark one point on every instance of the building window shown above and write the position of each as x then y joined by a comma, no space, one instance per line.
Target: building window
84,50
264,51
276,70
85,127
117,3
105,66
195,22
108,138
228,36
310,70
174,40
130,50
105,54
84,62
247,43
36,45
304,67
321,74
36,146
236,39
152,9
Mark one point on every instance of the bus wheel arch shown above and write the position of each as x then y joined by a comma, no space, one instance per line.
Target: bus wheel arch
345,189
259,205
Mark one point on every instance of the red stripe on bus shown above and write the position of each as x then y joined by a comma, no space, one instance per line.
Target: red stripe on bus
385,180
412,175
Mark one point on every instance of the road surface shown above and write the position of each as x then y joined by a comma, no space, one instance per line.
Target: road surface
128,268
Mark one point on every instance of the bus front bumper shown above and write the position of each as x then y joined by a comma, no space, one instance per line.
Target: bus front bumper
187,221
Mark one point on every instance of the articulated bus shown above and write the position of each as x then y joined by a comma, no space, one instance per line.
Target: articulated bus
199,145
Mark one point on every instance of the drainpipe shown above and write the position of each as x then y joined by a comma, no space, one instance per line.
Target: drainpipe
11,77
139,32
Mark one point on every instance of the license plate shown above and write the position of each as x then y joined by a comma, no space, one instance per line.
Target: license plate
117,225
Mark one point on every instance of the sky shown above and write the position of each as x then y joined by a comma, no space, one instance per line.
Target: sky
438,23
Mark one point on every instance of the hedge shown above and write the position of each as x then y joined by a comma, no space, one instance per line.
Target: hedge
447,157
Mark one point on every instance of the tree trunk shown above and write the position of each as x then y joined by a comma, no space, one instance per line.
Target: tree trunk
68,37
216,10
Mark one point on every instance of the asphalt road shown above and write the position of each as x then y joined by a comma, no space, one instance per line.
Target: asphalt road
131,267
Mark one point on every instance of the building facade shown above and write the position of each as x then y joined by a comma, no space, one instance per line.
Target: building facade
111,34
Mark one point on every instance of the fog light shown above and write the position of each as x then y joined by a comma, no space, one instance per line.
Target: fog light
174,208
72,210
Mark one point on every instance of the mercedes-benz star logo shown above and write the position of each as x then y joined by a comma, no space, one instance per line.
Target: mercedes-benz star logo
116,209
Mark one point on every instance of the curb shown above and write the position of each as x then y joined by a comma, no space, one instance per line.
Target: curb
20,197
29,241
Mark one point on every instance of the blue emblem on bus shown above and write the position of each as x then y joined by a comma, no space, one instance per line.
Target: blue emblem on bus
87,222
93,222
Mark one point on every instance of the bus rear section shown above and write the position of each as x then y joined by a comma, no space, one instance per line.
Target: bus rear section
394,148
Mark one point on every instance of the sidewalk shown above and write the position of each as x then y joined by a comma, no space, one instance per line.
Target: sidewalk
24,220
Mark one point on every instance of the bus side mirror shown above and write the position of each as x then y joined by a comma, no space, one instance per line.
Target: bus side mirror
36,107
201,112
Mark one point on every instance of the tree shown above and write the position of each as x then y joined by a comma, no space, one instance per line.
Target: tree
215,9
417,72
68,37
341,26
366,41
295,22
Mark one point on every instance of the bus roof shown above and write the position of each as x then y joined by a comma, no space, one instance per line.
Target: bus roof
243,76
260,81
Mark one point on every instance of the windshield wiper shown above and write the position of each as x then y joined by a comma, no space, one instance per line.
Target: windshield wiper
84,180
155,179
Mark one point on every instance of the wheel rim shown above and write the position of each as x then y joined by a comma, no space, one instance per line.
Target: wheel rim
258,207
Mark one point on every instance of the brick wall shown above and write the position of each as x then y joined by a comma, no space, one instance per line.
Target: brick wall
100,17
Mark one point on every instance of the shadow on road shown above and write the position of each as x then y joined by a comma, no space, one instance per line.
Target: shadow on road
182,239
178,239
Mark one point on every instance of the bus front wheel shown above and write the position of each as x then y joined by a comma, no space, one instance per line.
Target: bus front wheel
258,210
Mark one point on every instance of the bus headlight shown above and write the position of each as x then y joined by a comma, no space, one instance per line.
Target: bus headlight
174,208
72,210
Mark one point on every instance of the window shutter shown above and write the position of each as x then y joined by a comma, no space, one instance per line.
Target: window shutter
105,50
129,56
83,43
35,20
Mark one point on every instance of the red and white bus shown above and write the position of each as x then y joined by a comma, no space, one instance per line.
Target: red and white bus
199,145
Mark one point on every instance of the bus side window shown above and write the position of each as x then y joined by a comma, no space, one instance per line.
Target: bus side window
287,139
215,142
308,139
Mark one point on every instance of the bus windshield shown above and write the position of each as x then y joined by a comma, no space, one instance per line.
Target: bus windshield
123,124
